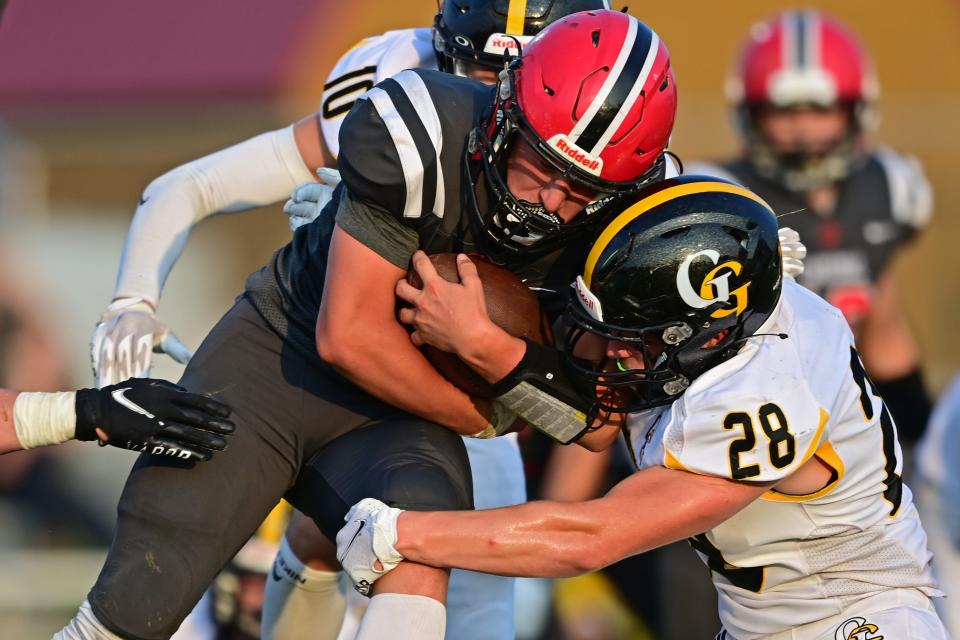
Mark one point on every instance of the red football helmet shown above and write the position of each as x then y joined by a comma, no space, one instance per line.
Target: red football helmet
803,58
594,95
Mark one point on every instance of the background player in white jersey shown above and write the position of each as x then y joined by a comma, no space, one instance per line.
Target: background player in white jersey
474,39
754,425
804,96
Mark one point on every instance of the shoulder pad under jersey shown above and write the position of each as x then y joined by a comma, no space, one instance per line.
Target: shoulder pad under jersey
401,144
749,423
911,199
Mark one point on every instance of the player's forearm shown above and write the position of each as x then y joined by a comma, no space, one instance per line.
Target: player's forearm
885,341
651,508
254,173
8,434
36,419
494,354
403,378
548,539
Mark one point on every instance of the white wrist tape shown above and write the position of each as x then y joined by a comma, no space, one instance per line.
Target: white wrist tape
42,419
257,172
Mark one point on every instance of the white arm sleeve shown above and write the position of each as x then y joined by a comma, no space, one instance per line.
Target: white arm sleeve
254,173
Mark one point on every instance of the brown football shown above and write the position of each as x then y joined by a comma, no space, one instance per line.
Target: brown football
511,306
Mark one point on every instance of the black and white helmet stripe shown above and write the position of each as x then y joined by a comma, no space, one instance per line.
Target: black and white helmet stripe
801,41
619,91
410,116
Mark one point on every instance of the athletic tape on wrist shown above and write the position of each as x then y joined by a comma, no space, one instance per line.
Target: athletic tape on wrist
488,432
539,391
42,419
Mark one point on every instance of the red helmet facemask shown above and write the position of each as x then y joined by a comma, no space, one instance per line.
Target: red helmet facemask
593,95
803,58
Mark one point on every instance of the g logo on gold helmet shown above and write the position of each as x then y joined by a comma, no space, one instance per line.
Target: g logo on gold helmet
687,262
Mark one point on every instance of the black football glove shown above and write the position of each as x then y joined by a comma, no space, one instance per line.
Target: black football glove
156,416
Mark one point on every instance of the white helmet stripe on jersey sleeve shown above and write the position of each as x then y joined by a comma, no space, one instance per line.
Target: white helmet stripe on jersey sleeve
410,116
406,150
416,90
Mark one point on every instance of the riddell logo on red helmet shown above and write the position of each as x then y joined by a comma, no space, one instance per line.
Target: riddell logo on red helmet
587,162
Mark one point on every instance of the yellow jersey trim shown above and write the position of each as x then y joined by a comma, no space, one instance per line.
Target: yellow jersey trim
671,462
815,443
356,46
829,456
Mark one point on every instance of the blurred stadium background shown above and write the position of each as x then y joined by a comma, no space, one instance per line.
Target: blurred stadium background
99,97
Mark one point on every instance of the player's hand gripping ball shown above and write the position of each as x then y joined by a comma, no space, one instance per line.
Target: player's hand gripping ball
508,302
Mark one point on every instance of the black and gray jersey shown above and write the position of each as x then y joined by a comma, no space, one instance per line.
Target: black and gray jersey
402,161
880,206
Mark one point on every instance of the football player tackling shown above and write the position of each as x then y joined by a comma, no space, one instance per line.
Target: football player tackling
331,400
756,432
475,40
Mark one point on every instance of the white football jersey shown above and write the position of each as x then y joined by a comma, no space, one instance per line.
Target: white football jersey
367,63
786,560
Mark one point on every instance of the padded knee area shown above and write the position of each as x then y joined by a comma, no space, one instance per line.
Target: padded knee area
422,487
407,463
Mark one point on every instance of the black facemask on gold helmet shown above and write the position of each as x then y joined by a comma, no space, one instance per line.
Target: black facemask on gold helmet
684,272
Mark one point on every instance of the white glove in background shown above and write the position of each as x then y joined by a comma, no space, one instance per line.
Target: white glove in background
308,200
125,337
369,535
793,252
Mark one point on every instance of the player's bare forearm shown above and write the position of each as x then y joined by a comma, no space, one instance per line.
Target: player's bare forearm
8,434
651,508
494,354
886,341
311,145
358,333
389,367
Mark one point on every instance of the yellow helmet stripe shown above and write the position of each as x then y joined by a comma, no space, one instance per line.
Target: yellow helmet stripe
516,17
655,200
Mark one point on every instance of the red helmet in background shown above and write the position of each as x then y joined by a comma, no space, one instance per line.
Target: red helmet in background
795,59
594,95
